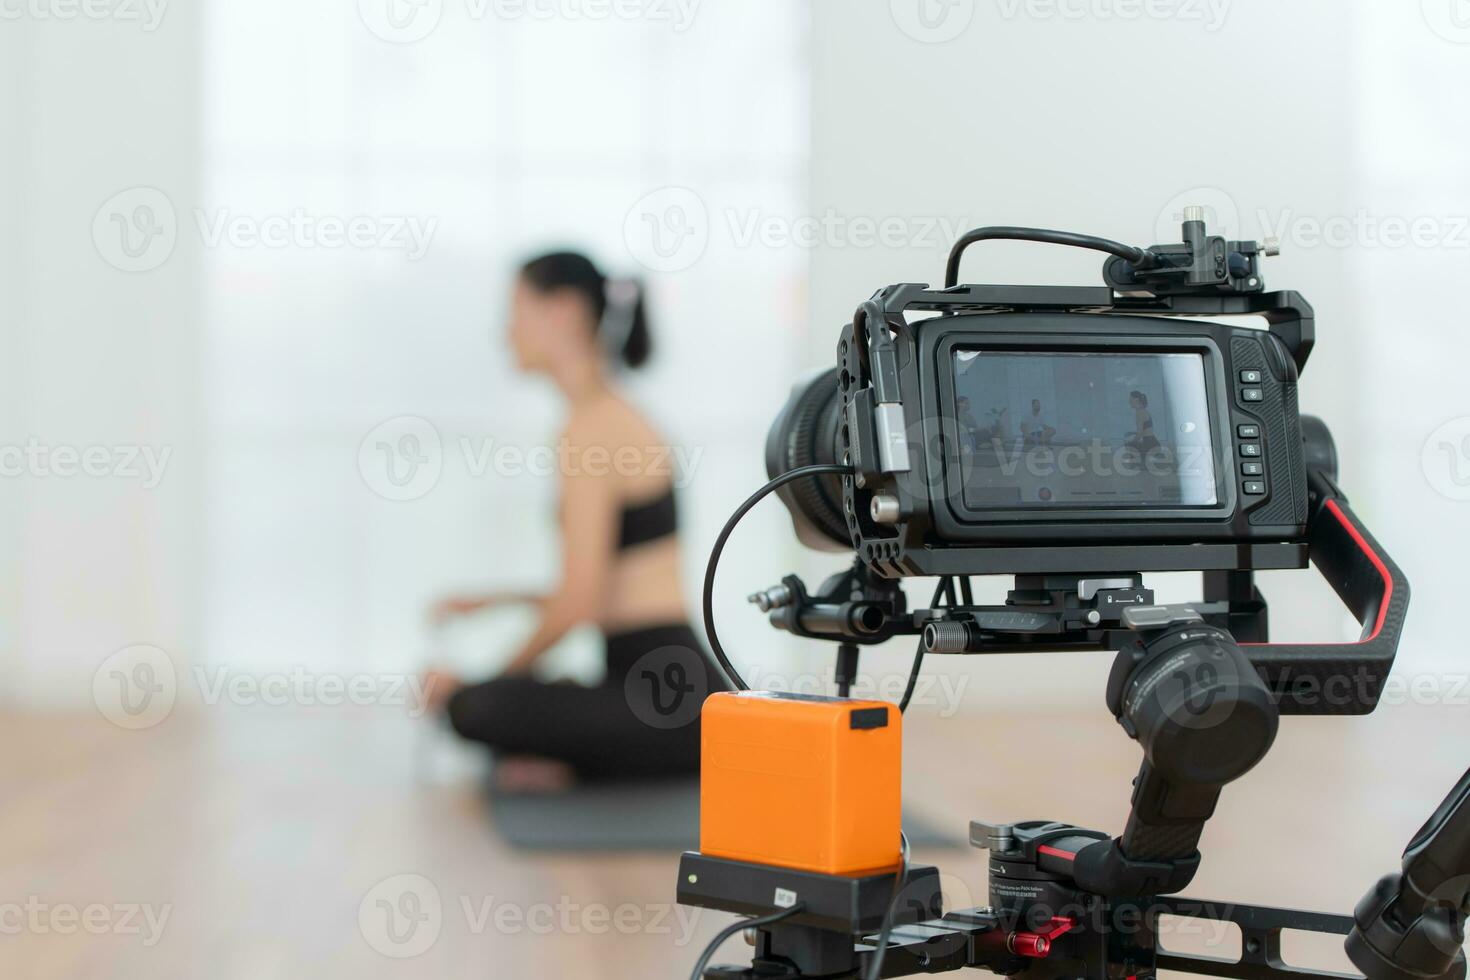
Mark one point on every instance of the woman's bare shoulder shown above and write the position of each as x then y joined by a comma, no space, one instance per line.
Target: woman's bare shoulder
610,421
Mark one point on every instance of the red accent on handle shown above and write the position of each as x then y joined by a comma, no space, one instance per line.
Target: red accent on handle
1056,852
1331,506
1377,564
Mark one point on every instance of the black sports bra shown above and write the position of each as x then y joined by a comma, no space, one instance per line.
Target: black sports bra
642,523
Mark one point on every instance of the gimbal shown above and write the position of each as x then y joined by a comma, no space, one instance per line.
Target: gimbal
1199,686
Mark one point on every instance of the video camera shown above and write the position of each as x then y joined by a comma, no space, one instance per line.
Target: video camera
1059,416
1074,438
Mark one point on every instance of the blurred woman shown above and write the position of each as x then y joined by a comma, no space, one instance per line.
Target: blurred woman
619,561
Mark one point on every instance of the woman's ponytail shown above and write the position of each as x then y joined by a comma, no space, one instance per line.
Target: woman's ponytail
622,320
637,346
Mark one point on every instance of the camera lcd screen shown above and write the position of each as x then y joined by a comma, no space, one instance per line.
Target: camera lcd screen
1083,430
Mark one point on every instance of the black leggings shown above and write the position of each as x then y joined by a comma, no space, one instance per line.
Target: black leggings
641,721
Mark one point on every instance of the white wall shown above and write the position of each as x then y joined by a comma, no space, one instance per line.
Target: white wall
95,356
1294,113
1024,113
506,134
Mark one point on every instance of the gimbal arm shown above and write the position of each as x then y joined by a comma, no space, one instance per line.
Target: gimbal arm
1204,708
1411,925
1340,678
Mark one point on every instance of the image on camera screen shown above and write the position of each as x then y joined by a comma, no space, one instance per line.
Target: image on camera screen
1083,430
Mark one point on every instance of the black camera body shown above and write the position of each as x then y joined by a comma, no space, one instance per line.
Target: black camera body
1241,479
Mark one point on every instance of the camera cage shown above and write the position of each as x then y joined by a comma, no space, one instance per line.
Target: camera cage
902,547
1320,678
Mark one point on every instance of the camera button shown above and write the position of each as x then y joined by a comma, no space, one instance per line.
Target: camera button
1248,431
1250,377
1250,394
1252,469
1251,449
1254,487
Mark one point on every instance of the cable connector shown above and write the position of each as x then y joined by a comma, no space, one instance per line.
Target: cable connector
1200,264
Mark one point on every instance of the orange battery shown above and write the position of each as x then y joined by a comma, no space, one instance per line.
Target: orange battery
800,781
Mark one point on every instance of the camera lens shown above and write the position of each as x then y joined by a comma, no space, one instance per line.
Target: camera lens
1317,443
807,431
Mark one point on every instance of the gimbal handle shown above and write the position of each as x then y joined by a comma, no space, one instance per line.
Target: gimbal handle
1410,925
1340,678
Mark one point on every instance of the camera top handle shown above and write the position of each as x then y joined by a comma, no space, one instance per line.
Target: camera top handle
1162,279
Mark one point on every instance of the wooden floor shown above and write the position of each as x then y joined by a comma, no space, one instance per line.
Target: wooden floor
261,834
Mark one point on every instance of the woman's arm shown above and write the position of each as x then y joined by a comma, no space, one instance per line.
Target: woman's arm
462,605
589,528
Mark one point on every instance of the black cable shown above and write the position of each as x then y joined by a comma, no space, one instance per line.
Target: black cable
875,965
945,583
1139,257
733,928
714,558
908,691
